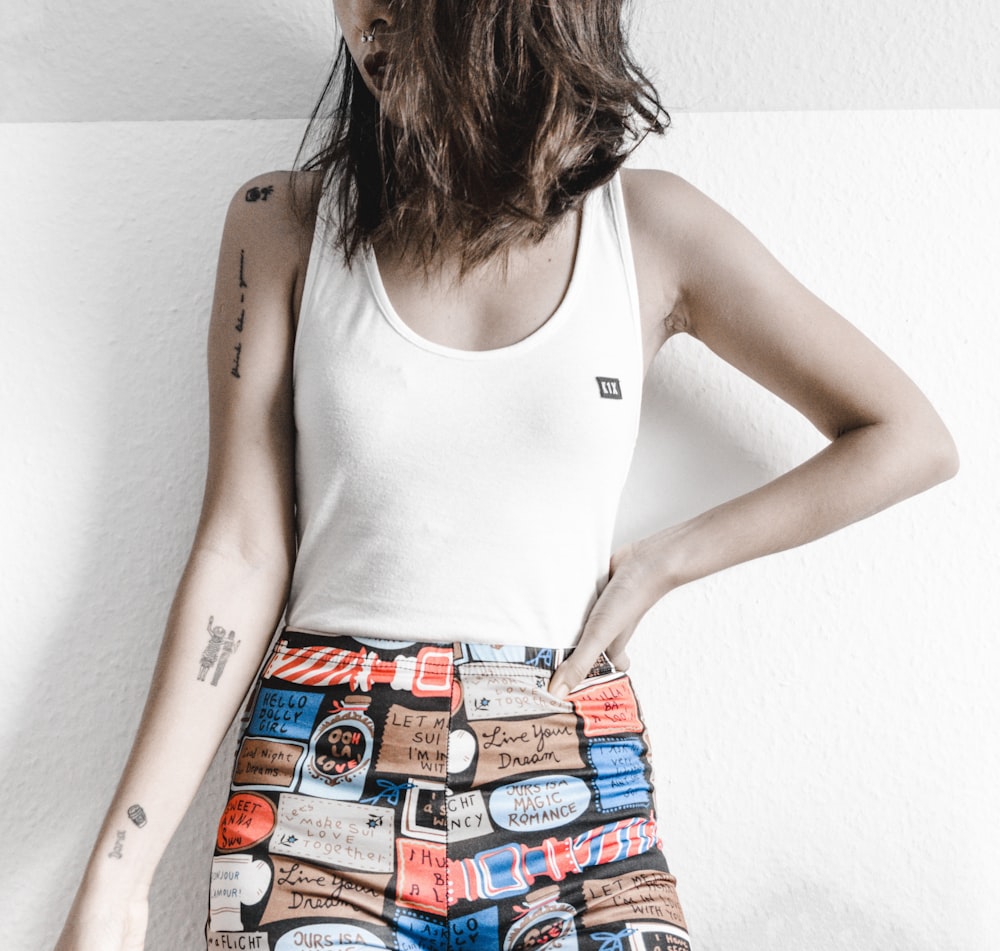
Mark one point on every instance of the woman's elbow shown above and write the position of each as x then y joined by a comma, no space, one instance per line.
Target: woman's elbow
944,456
934,453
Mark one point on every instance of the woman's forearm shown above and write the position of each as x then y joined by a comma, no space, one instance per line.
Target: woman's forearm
221,622
861,472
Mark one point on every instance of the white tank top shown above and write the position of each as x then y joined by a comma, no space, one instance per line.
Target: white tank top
454,495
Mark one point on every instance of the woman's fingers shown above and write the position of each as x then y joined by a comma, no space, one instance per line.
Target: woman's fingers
616,649
608,629
572,670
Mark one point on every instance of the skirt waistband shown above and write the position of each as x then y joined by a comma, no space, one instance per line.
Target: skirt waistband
341,649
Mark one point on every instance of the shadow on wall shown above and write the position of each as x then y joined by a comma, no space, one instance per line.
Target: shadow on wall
184,61
703,439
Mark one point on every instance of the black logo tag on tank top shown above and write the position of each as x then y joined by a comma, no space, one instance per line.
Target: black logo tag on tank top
610,388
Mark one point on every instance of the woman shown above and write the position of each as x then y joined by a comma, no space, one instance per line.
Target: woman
425,362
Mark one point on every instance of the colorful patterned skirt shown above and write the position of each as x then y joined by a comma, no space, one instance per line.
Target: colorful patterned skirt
435,797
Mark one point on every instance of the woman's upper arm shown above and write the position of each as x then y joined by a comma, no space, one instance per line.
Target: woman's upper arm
731,293
248,511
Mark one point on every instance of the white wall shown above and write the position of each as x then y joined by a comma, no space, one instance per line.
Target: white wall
824,720
67,61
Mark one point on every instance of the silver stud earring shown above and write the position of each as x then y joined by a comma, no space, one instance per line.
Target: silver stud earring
368,36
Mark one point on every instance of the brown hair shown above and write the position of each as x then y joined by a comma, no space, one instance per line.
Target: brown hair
509,112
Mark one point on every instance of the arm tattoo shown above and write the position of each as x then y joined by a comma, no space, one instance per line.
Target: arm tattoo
259,194
137,814
116,849
238,349
221,646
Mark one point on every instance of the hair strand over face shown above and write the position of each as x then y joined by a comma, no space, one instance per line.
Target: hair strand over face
506,113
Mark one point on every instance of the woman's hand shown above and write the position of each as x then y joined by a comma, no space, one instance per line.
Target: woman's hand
633,587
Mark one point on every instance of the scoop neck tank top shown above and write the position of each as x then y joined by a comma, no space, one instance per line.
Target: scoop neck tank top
455,495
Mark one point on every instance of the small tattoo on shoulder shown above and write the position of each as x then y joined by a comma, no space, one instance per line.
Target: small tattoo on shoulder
116,849
259,193
137,814
221,646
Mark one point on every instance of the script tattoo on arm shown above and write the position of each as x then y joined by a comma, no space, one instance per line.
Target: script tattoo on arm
119,844
221,646
238,349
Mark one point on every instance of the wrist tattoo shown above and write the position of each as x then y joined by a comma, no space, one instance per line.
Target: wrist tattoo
221,646
116,849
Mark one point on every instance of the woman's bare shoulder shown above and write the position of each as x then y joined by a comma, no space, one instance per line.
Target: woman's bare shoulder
271,218
284,202
662,204
692,243
661,208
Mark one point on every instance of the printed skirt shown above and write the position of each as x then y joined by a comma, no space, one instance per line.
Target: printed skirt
435,797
